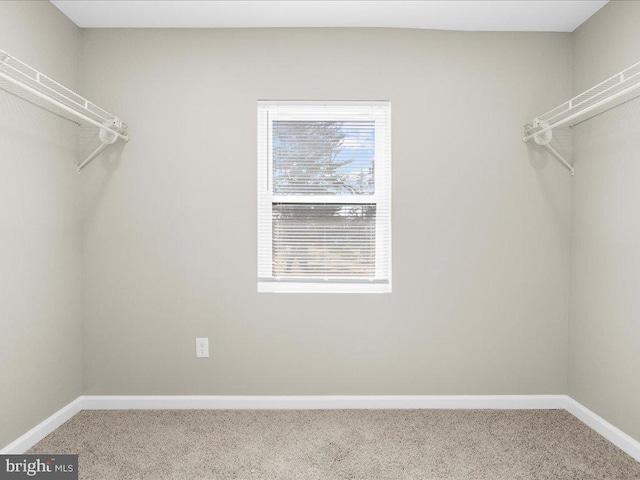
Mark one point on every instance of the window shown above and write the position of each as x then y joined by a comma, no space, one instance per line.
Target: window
324,197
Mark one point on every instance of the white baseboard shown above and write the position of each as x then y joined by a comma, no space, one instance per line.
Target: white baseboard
44,428
616,436
316,402
313,402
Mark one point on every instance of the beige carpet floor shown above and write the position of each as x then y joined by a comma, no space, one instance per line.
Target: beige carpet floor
338,444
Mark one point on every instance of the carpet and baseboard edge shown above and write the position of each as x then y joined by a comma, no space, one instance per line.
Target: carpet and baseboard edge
306,402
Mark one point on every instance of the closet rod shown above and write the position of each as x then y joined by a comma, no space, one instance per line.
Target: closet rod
58,104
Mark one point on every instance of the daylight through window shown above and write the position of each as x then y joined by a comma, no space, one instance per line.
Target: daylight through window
324,197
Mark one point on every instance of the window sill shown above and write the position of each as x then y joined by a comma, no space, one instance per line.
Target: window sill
322,287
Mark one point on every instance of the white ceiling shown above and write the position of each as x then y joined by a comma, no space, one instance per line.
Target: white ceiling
475,15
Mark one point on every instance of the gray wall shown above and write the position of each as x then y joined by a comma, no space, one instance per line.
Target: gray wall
480,221
604,372
40,355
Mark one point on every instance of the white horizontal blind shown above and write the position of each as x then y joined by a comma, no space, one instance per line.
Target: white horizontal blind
324,196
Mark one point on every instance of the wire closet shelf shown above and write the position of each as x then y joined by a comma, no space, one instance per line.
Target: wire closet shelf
610,93
35,87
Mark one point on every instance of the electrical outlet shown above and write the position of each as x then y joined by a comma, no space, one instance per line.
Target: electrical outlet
202,347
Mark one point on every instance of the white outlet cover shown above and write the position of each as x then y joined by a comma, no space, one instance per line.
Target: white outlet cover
202,347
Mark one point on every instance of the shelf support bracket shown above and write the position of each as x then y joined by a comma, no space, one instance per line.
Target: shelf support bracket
107,136
543,138
560,158
93,155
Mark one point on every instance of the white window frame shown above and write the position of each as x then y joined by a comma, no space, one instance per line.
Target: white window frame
380,112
